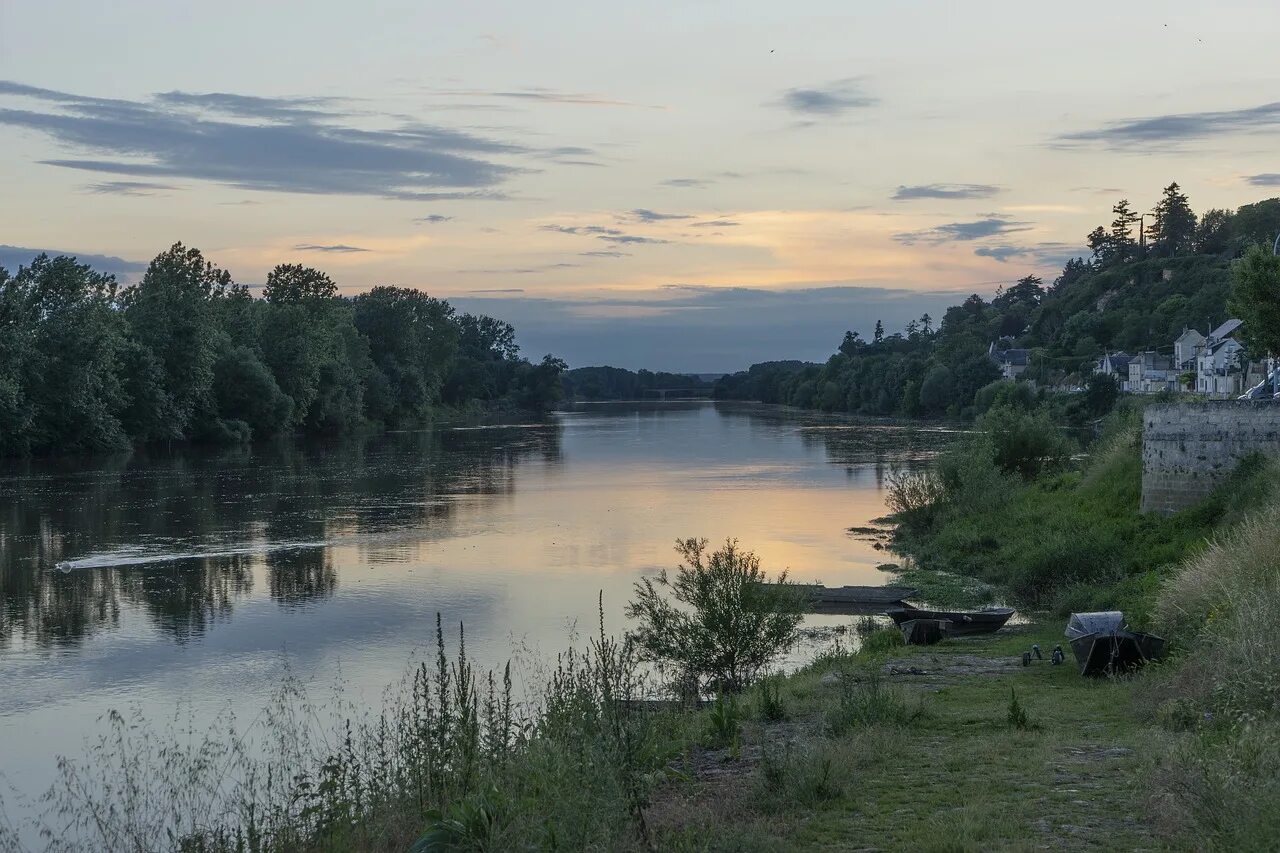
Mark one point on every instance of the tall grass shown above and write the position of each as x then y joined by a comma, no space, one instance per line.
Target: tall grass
451,761
1219,780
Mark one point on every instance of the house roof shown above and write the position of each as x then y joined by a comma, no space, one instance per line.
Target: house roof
1226,330
1219,344
1117,360
1013,356
1189,334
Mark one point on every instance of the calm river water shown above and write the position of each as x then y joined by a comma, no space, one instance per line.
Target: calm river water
201,578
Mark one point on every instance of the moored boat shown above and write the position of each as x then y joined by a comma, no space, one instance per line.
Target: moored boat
1103,644
962,621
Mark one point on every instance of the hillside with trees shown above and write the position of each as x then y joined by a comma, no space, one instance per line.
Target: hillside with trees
617,383
1137,291
188,354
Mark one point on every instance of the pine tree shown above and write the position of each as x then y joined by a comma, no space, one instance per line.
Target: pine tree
1123,245
1173,228
879,333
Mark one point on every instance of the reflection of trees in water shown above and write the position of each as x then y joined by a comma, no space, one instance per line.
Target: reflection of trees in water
848,441
194,502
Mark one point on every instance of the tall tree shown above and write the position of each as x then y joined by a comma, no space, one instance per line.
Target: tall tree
170,316
878,336
1255,299
1123,245
1173,226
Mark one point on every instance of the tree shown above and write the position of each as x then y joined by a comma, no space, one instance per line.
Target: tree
852,343
1123,246
293,283
938,389
878,336
169,315
1255,299
1100,244
1213,233
728,622
1173,225
1023,442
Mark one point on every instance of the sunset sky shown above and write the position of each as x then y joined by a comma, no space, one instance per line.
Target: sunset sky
690,186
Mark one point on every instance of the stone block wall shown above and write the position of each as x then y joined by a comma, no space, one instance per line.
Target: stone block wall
1188,448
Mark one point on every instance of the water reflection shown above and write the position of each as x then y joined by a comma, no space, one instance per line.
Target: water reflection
176,537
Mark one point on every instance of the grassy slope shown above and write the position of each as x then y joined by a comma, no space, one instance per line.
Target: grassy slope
958,777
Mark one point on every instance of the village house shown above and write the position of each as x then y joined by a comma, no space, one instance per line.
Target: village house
1220,363
1115,365
1150,373
1012,362
1185,350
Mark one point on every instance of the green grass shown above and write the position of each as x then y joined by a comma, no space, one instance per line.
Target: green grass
955,777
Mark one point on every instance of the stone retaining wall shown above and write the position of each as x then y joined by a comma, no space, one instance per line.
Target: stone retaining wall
1188,448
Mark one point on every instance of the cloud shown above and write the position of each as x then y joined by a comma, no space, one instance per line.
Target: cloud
602,253
833,99
992,226
582,229
499,290
517,271
297,145
946,191
686,183
715,223
632,240
12,257
128,188
1176,128
645,215
1047,254
548,96
1266,179
434,219
337,249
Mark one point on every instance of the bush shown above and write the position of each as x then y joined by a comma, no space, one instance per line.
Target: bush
1025,443
912,493
868,702
882,640
733,623
804,775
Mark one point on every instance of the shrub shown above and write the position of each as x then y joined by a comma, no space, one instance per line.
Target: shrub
882,640
913,492
868,702
807,774
733,622
771,705
1025,443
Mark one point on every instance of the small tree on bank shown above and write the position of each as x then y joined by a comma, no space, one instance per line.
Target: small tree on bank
719,619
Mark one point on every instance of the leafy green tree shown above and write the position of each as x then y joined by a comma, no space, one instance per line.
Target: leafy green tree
169,315
1024,443
1213,233
937,391
69,375
1173,229
1255,299
245,390
720,620
413,341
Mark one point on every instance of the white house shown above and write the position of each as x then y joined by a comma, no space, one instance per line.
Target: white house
1116,364
1186,348
1150,373
1220,364
1012,362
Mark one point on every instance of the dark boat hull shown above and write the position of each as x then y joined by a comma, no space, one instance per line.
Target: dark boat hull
1115,653
962,622
854,599
925,632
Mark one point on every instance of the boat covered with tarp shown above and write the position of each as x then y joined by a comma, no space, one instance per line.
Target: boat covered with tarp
962,621
1103,644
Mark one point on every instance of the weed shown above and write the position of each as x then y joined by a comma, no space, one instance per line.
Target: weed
869,702
771,706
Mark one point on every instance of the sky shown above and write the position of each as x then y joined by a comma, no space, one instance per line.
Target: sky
689,186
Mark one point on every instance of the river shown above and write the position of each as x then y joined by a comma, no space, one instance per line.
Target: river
198,579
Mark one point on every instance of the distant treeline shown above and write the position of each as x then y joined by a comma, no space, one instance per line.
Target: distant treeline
187,354
1135,293
616,383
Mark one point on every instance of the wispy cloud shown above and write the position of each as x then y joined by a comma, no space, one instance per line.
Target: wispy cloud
686,183
538,94
594,230
129,188
299,145
518,271
1266,179
992,226
1175,129
434,219
832,99
945,191
645,215
603,253
337,248
632,240
1045,254
715,223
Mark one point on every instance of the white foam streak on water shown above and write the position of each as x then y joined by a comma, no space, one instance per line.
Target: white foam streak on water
132,557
